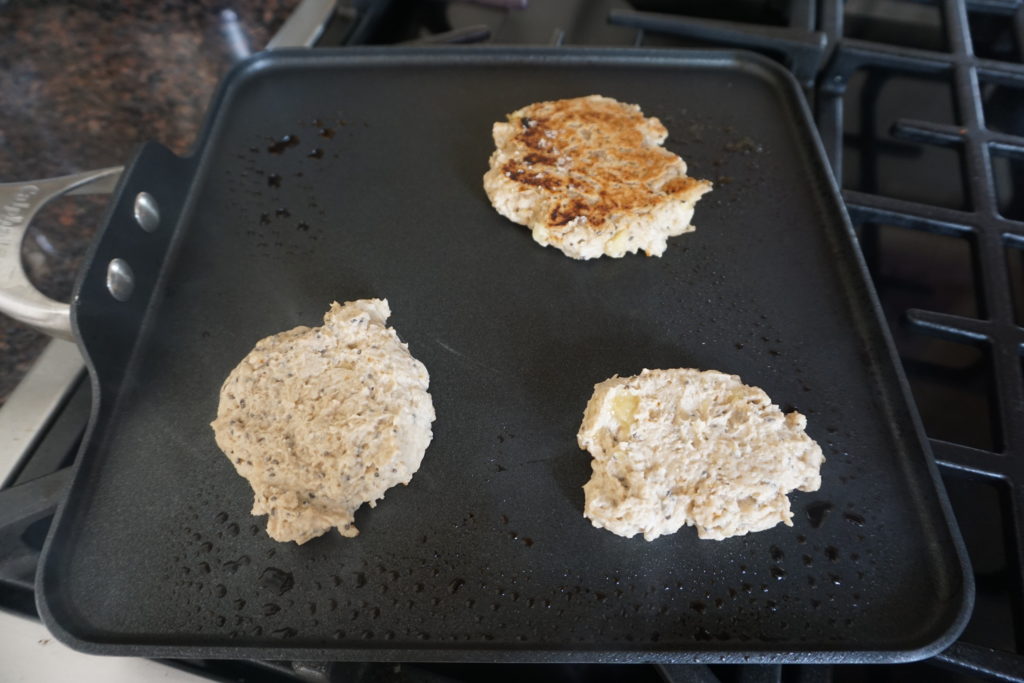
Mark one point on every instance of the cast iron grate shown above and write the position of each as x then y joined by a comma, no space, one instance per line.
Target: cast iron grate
976,52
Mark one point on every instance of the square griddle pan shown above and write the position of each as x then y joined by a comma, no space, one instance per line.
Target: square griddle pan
486,556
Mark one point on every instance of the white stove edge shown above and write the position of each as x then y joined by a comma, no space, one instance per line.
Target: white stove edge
29,652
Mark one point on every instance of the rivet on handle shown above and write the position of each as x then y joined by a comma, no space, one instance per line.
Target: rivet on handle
147,213
120,279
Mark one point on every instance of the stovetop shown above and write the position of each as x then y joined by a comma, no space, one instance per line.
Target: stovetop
920,106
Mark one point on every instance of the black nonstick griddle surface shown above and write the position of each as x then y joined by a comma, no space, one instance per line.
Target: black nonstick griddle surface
486,555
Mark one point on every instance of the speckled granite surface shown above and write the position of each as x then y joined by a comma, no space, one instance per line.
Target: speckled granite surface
83,83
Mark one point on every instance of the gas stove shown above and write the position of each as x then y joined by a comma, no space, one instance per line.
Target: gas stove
920,106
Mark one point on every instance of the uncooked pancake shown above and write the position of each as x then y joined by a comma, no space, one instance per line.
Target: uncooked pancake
683,447
321,420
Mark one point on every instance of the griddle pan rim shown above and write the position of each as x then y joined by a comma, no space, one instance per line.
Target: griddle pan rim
473,57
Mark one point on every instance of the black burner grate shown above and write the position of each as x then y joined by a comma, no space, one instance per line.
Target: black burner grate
976,54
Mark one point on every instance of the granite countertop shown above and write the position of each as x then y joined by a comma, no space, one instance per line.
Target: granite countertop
84,83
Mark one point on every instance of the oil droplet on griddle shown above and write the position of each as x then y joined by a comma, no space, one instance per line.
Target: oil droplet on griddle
283,144
854,518
817,512
277,580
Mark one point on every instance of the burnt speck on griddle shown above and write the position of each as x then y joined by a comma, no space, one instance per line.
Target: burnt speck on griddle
284,143
808,560
739,345
528,542
316,154
264,219
853,518
274,180
277,580
832,553
302,227
360,579
232,566
777,554
744,146
282,213
817,512
327,132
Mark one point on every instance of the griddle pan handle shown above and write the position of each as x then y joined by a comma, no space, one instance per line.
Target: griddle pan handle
19,203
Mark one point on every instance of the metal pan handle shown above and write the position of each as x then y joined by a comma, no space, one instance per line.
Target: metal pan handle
19,203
